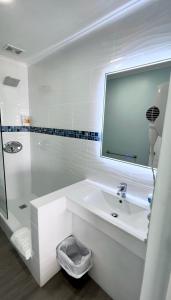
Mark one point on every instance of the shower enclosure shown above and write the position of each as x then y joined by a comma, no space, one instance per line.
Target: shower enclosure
15,176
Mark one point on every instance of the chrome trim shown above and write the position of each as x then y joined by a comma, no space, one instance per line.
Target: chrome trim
12,147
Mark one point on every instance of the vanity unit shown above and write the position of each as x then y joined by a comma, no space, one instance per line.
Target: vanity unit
114,228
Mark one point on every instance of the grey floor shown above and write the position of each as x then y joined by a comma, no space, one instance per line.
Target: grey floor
17,283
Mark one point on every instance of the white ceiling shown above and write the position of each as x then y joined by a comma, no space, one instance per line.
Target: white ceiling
36,25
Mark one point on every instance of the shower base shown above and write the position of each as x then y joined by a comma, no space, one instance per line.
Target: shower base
20,209
18,214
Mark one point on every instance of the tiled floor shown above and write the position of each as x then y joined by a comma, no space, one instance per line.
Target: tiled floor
16,283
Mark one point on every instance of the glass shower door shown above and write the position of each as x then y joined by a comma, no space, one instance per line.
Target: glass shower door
3,194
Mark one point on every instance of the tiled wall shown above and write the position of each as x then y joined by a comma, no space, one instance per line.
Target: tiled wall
66,91
13,103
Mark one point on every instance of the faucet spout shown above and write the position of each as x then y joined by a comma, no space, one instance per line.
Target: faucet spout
122,189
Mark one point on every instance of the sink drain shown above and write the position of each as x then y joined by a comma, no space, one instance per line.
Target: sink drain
115,215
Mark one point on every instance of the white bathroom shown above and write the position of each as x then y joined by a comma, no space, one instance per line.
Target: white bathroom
85,105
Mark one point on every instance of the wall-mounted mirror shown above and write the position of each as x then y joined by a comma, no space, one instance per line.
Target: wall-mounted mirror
134,110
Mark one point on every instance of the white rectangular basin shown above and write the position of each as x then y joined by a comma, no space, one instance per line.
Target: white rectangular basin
122,213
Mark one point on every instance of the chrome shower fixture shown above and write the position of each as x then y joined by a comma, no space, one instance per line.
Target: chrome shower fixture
10,81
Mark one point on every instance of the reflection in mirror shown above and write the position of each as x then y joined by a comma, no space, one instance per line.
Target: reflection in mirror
135,103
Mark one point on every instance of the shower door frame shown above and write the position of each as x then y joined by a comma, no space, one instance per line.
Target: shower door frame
5,214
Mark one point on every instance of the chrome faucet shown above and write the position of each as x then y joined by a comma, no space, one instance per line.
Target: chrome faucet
122,188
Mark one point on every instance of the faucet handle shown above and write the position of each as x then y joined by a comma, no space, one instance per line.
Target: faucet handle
122,185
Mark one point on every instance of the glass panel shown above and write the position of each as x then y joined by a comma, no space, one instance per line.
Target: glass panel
135,103
3,196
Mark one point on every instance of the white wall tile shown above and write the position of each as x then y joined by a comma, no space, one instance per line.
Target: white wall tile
13,100
18,167
62,161
60,116
67,89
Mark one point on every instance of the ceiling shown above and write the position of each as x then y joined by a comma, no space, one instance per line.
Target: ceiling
37,25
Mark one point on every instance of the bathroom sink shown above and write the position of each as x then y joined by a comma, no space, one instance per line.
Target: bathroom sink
117,209
109,203
128,214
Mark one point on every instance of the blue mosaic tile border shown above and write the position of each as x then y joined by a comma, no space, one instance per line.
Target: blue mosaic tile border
77,134
15,128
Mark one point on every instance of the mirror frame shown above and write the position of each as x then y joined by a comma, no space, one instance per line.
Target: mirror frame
149,66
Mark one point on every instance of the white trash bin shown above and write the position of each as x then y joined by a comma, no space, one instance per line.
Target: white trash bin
74,257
